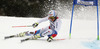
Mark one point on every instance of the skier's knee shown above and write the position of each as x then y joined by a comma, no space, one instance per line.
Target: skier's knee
53,35
36,32
29,33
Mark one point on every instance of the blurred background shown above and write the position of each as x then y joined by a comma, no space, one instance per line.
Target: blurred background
40,8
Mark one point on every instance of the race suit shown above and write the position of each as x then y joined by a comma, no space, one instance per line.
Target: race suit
50,30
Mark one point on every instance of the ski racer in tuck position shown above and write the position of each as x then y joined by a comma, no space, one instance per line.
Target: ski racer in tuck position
50,31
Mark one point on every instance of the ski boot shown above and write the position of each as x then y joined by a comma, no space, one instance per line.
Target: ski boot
50,39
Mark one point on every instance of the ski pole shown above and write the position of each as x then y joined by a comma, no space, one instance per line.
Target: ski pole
22,26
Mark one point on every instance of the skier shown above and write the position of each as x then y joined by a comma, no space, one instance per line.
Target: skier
50,31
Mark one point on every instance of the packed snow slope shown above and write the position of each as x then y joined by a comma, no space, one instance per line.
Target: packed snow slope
84,33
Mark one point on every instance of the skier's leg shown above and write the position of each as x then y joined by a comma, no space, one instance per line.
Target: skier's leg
47,32
54,34
32,33
38,33
27,33
50,33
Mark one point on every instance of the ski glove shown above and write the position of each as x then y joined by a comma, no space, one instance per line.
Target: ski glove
35,25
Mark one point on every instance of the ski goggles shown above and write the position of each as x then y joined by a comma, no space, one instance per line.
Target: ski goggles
52,17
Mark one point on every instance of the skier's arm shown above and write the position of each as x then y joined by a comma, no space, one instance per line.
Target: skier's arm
39,21
42,19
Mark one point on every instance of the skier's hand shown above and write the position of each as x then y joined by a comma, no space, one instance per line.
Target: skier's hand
35,25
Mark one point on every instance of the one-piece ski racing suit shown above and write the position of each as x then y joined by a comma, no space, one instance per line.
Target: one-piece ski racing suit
51,30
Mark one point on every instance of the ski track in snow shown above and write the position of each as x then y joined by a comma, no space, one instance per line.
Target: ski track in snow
83,34
92,44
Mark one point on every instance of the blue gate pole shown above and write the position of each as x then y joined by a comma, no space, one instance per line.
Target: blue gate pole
71,21
97,22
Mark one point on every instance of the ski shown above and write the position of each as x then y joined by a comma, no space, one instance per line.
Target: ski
7,37
25,40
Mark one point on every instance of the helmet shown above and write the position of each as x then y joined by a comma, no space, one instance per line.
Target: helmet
52,13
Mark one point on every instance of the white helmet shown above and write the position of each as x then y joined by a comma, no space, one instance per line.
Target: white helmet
52,13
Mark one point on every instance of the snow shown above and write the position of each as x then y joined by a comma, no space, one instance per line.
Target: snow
84,33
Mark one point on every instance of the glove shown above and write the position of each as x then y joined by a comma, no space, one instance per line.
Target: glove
50,39
35,25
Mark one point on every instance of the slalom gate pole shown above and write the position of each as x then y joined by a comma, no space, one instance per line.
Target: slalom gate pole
71,21
97,22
